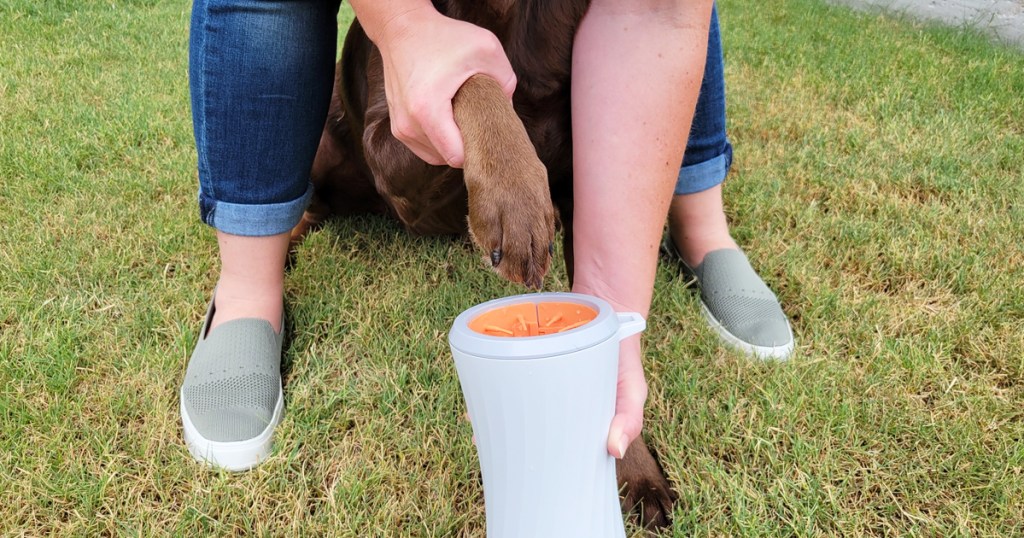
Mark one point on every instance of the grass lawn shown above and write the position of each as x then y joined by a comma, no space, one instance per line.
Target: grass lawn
877,187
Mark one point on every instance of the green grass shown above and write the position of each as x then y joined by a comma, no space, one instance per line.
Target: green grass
877,187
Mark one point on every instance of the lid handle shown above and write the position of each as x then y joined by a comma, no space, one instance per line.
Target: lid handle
630,323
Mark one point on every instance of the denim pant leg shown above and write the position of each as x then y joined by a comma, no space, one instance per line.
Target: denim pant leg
261,76
708,151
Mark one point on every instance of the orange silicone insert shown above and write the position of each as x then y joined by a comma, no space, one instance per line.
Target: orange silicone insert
532,319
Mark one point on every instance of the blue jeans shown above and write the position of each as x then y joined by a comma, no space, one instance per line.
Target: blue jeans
708,151
261,74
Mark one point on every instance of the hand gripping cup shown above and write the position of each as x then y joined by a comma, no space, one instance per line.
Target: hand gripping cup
538,373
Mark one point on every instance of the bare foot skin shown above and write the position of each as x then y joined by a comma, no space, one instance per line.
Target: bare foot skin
698,225
251,278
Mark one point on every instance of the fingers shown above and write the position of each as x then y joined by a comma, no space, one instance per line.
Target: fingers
431,133
630,397
443,135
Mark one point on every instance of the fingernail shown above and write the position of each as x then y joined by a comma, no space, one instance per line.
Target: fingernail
623,444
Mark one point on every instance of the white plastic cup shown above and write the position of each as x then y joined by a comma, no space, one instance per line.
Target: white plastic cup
541,407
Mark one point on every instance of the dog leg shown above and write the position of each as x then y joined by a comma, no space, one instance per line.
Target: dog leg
328,158
510,212
645,490
312,219
340,178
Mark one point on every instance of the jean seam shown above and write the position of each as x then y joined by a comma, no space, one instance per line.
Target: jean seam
206,94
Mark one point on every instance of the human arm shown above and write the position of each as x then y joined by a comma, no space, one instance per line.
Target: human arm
427,57
637,69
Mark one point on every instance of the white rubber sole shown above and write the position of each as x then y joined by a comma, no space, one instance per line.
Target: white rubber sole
235,455
779,353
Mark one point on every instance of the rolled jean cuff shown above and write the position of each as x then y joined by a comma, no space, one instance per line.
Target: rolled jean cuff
702,176
253,219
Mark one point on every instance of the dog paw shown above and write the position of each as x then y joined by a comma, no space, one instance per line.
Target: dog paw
513,222
644,489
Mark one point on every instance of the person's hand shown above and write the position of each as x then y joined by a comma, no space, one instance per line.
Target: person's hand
427,57
631,393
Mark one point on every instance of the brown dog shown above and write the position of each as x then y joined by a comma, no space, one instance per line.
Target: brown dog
518,167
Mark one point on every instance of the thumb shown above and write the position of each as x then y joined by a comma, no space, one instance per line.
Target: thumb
630,395
623,431
508,85
500,69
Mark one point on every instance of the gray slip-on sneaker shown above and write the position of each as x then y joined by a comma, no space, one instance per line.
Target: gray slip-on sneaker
738,305
231,398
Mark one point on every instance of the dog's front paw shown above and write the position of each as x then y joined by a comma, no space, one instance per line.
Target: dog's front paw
511,218
645,490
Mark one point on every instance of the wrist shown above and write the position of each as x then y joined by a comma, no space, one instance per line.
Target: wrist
386,22
619,301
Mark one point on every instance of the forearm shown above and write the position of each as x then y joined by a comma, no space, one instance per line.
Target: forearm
381,17
636,77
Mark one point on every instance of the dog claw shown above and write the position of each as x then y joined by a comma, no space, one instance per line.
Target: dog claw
551,249
495,257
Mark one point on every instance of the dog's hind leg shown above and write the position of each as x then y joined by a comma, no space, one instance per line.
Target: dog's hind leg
645,490
329,159
341,181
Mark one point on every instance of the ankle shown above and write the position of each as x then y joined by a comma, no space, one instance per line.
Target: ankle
251,278
697,225
233,302
693,247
